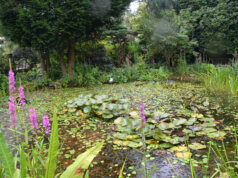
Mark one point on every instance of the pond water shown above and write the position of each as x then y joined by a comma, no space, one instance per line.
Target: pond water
179,100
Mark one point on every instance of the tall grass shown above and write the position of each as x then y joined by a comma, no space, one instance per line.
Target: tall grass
224,78
225,166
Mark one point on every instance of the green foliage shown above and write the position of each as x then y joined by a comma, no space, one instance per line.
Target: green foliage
53,149
6,158
202,68
31,75
97,105
82,162
57,25
223,78
140,72
182,68
3,85
23,163
213,25
159,129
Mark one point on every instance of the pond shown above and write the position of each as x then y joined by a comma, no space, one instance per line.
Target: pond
177,113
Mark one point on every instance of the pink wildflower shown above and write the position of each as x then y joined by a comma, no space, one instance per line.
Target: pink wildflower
46,124
21,96
33,118
11,78
142,113
12,111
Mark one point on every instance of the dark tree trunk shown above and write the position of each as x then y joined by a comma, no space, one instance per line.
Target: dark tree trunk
71,57
62,63
121,55
47,64
42,61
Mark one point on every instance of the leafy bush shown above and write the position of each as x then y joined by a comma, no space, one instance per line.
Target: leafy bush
182,68
202,68
3,85
86,75
31,75
96,105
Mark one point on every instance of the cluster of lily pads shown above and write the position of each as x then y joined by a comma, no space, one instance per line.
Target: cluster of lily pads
164,130
97,106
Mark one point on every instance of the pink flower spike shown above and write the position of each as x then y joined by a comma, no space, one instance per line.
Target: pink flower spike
46,124
142,113
11,78
22,96
33,118
12,111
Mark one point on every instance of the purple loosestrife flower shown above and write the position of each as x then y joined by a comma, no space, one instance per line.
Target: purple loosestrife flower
11,78
33,118
46,124
22,96
12,111
142,113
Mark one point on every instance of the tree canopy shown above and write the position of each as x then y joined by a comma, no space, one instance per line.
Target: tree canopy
57,24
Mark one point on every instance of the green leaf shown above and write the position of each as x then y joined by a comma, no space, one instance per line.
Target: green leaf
23,163
196,146
179,122
53,148
82,162
6,158
107,116
86,109
163,126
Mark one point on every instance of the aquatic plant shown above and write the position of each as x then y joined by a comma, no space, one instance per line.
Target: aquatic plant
96,105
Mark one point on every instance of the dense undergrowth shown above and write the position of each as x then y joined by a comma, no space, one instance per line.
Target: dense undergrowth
221,77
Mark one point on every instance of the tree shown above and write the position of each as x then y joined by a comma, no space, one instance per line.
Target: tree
57,25
28,23
213,25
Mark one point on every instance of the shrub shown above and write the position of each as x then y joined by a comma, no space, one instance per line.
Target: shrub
3,85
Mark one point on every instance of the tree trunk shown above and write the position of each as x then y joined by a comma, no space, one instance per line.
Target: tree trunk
47,64
71,57
121,55
42,61
62,63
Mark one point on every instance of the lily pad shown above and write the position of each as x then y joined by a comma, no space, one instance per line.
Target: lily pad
197,146
134,114
179,148
163,126
183,155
